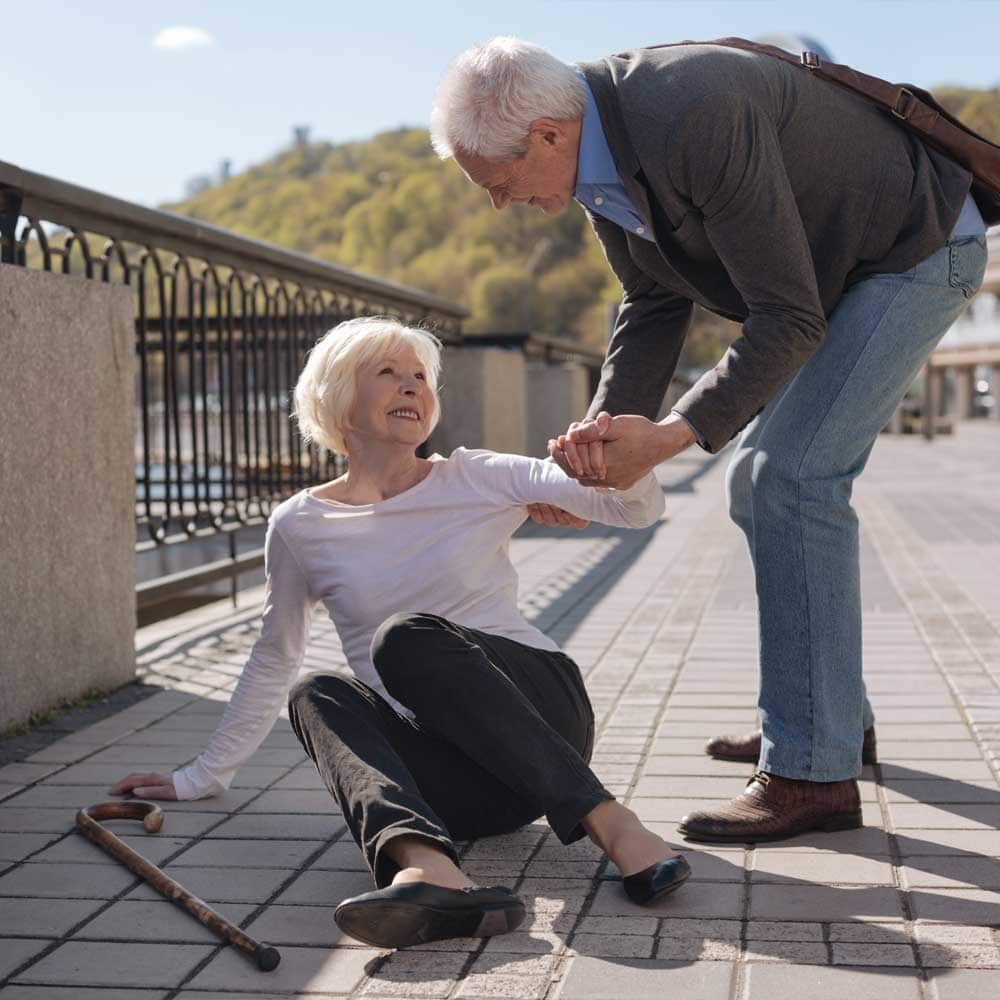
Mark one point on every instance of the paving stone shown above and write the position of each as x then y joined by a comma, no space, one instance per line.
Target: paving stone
943,790
311,803
960,956
899,771
103,963
288,827
696,765
618,925
953,934
524,943
699,929
17,820
793,901
914,815
221,885
248,853
701,787
775,866
17,951
783,930
76,849
645,979
325,887
513,987
866,933
946,872
321,970
611,946
767,980
802,952
14,992
866,841
39,917
140,920
919,842
955,906
66,881
299,925
697,950
963,984
24,773
345,855
696,899
873,954
16,846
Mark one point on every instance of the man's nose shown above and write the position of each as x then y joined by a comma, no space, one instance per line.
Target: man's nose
500,199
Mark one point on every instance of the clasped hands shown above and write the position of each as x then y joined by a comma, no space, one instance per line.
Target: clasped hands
614,452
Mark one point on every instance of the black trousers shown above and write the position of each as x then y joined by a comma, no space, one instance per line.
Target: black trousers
502,735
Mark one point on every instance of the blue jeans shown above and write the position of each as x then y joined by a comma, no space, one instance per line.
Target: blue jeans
789,488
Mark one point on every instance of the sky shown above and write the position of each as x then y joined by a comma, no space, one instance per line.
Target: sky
134,99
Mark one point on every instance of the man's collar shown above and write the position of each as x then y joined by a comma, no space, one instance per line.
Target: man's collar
595,164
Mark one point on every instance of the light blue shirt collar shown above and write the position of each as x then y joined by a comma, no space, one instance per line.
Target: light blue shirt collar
594,164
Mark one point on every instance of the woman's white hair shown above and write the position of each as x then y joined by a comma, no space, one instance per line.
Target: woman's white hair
324,393
492,93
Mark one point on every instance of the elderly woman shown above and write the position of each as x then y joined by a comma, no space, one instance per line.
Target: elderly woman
462,720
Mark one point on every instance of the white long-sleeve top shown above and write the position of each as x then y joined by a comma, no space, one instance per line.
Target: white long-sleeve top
440,547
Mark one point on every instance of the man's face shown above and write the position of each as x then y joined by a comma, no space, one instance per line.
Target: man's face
544,177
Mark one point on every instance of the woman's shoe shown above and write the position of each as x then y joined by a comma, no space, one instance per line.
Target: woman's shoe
415,912
657,880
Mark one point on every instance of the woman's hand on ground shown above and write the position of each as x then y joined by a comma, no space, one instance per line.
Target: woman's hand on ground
147,785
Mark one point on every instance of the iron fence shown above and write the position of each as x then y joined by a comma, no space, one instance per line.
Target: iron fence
222,326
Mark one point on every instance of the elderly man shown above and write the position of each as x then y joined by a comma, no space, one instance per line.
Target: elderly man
845,248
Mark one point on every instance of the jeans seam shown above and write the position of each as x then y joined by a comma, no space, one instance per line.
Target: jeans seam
798,504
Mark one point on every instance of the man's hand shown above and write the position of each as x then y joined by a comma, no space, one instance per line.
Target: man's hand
632,445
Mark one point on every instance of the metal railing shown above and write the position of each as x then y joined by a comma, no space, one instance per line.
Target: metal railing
222,326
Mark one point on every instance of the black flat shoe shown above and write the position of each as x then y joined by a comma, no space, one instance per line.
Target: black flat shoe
415,912
657,880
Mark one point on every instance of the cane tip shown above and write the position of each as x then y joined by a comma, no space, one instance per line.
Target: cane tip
266,957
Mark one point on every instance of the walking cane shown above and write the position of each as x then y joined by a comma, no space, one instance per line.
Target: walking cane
88,823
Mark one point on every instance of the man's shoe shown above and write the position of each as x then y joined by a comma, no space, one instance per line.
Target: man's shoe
415,912
776,808
657,880
747,748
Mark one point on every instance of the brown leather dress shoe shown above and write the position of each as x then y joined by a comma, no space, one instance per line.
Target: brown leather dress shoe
775,808
748,747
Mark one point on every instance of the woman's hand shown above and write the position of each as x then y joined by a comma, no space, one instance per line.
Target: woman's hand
555,517
580,451
147,785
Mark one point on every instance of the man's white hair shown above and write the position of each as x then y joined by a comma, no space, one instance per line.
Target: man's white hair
324,394
492,93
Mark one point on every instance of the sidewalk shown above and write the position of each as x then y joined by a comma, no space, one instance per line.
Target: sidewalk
662,625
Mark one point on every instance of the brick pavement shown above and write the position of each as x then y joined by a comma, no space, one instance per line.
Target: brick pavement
661,623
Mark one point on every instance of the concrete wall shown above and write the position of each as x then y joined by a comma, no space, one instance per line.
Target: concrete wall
67,519
557,394
482,400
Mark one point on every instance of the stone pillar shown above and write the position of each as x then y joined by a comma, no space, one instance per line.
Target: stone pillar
933,393
965,388
482,400
67,490
557,394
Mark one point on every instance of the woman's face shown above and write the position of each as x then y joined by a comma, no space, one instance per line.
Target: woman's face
393,402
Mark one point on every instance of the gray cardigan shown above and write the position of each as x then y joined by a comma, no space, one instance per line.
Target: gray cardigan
769,192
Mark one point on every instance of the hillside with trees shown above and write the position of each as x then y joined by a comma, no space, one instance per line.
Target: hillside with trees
388,207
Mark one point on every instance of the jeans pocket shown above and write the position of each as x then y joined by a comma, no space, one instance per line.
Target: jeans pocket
967,263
